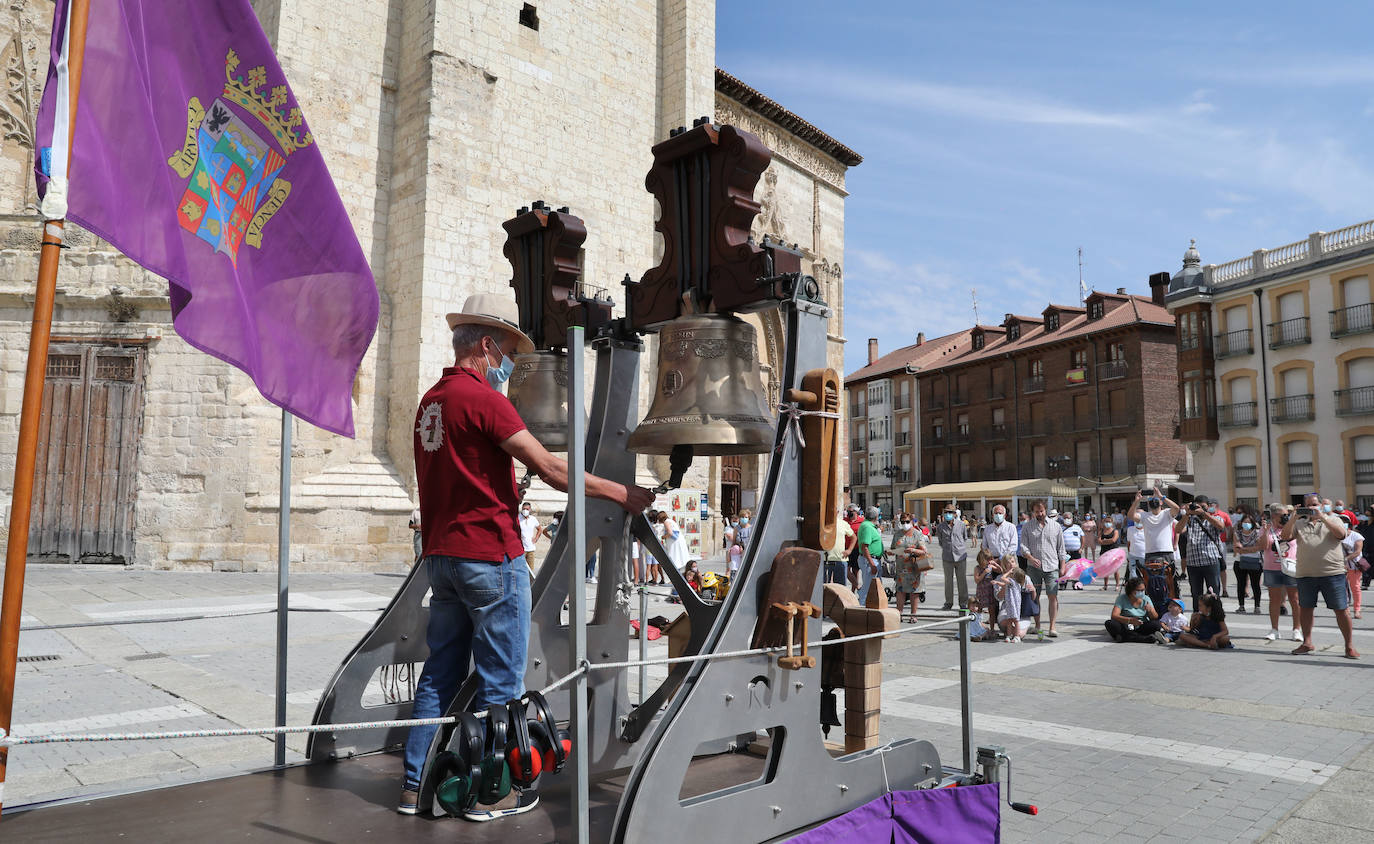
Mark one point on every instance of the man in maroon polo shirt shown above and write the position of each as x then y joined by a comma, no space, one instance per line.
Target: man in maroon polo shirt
467,436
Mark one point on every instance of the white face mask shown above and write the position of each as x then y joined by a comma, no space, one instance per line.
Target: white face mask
998,518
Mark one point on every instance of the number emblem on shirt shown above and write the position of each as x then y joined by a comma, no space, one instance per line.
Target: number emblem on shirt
431,427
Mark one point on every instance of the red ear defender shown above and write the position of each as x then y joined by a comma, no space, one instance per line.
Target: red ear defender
517,773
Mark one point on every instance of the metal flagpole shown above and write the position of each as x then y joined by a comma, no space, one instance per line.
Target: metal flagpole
576,521
283,580
21,500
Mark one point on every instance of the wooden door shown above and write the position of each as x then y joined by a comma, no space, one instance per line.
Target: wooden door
83,503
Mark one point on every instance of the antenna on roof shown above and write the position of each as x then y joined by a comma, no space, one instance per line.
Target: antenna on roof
974,291
1082,290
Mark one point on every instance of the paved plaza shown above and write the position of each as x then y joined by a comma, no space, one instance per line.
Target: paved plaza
1119,743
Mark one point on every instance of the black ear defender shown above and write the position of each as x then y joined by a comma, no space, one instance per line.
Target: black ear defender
458,768
556,745
496,778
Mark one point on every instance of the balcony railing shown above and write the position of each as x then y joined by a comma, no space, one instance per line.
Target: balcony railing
903,403
857,411
936,403
1238,415
1355,401
1112,369
997,391
1356,319
935,440
960,437
904,477
1032,429
903,438
1234,343
997,431
1290,332
1113,468
1034,384
856,445
1245,476
1291,409
1364,471
957,399
1300,475
1118,420
1084,422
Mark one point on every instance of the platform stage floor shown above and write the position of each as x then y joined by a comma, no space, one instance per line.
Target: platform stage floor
352,800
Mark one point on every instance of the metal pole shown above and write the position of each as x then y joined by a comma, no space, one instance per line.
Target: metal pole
643,641
966,692
26,455
576,521
283,578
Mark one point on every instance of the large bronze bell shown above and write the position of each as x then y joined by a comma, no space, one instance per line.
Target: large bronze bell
709,393
538,388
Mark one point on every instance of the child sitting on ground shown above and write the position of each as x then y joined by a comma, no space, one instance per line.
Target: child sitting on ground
1174,621
1208,627
1009,589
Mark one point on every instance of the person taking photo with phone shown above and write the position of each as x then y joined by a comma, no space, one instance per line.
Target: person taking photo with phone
1321,569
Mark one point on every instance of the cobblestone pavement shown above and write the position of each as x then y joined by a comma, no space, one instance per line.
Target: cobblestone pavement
1113,742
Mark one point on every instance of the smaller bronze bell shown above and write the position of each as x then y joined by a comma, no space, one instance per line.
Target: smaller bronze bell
709,393
538,388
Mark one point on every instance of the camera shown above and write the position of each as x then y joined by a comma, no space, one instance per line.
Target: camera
1306,512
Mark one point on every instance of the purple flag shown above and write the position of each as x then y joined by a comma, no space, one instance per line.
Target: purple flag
968,814
192,157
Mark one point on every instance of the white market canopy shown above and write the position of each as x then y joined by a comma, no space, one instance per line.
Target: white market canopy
1011,490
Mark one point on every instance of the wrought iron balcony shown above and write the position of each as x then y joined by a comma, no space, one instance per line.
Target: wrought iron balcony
1112,369
1356,319
936,403
1034,384
903,438
1290,332
958,398
1234,343
1245,476
1292,409
902,404
1032,429
997,391
1355,401
997,431
1364,471
857,445
1238,415
935,440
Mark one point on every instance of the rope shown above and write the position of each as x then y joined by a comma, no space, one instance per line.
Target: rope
791,412
173,618
584,667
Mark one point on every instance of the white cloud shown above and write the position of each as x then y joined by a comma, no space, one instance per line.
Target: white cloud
1217,213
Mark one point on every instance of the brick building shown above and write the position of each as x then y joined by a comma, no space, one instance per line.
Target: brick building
1084,396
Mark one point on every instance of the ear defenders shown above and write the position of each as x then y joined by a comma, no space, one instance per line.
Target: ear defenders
458,768
557,743
536,746
495,783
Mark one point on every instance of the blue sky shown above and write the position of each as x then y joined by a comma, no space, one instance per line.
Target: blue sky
1000,137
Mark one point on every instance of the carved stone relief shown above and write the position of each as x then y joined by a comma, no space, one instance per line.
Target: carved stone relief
781,142
23,62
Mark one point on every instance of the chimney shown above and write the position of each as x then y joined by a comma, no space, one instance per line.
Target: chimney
1121,291
1159,285
920,338
872,350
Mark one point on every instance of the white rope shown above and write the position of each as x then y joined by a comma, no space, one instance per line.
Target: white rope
585,667
792,412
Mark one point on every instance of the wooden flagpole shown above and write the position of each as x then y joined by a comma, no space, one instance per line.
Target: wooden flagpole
16,552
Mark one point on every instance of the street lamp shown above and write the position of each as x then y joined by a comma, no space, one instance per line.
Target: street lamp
1055,465
890,472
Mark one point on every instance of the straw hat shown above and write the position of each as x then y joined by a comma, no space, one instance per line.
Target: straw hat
495,311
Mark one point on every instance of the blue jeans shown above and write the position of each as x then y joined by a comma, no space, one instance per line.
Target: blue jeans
479,612
834,571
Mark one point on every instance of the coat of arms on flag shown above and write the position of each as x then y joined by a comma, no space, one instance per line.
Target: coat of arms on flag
234,186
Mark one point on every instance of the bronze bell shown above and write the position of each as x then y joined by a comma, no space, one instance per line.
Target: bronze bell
538,388
710,392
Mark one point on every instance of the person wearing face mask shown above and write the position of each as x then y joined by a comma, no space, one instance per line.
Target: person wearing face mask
467,437
530,532
1156,520
1107,537
1320,570
1134,617
953,537
1249,549
1042,544
1000,536
1073,536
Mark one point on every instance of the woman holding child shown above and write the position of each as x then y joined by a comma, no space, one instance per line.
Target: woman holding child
1134,618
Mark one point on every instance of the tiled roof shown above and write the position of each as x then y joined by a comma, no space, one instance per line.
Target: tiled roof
929,354
1119,310
752,99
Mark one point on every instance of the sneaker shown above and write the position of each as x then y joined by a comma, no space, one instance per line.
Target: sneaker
410,801
1297,635
947,607
1241,609
1272,637
518,802
1159,637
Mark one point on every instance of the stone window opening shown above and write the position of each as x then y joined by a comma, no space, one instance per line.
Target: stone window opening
529,16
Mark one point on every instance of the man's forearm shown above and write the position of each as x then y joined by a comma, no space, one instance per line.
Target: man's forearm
555,474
